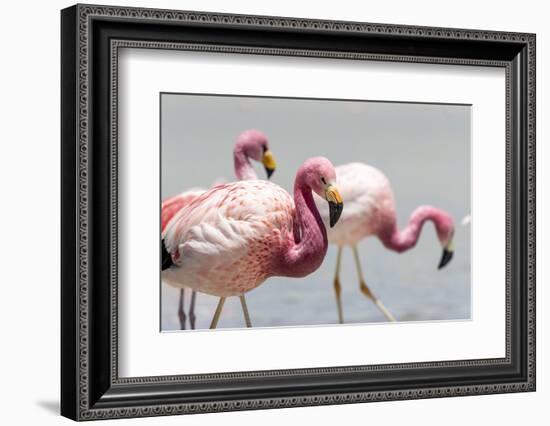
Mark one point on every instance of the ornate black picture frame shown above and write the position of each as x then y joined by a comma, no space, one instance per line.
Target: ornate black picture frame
90,38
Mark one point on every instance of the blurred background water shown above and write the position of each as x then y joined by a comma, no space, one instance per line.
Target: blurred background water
424,149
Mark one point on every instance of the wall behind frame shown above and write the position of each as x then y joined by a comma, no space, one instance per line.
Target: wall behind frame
29,219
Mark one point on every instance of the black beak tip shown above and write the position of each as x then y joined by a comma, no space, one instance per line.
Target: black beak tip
335,211
445,258
269,172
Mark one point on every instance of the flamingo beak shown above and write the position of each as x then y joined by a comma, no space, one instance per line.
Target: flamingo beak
269,163
447,255
335,204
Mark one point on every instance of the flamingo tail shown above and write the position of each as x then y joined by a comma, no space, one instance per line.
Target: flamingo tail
166,258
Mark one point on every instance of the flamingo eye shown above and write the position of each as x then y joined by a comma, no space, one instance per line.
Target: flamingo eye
323,180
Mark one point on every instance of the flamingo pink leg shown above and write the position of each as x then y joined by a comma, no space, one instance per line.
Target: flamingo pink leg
192,316
245,311
371,212
337,286
217,314
367,291
181,312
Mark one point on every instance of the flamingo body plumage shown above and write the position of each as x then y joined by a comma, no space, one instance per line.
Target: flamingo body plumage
223,243
370,211
369,204
250,144
171,205
230,239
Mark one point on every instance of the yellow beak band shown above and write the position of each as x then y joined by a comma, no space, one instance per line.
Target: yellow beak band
269,161
333,195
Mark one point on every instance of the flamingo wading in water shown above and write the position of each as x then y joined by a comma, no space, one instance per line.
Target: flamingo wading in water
370,210
250,144
230,239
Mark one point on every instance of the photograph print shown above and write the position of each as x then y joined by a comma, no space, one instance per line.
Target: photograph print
280,212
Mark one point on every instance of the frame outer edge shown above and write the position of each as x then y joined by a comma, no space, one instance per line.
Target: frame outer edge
81,365
531,200
69,191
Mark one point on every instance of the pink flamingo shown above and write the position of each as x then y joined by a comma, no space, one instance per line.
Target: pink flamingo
232,238
370,210
250,144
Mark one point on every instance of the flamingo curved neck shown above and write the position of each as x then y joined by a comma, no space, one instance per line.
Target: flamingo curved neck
307,248
243,168
407,238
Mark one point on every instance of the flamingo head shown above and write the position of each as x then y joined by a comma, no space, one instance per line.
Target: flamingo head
445,231
320,176
254,145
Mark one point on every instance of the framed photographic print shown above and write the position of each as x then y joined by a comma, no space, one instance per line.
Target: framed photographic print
263,212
